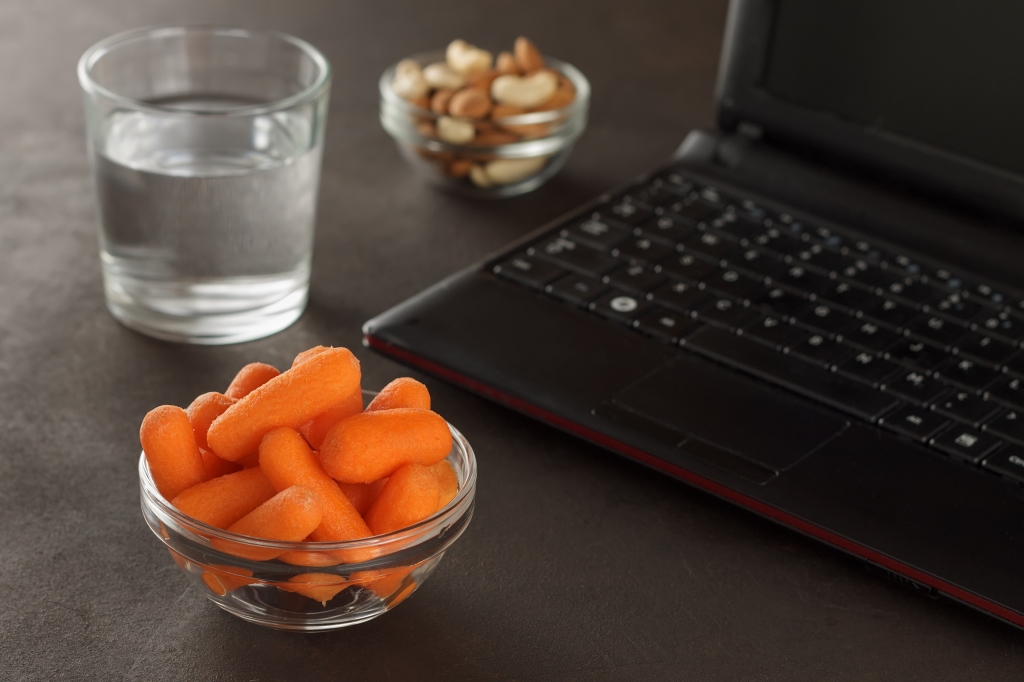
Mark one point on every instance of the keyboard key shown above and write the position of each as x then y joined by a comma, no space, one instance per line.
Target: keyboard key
915,422
776,241
749,260
665,325
1007,461
635,278
908,289
723,312
643,249
1009,390
965,407
967,373
576,289
620,306
628,212
888,311
1015,364
782,302
847,295
528,270
821,350
687,267
868,368
936,329
707,245
681,296
965,443
1008,424
793,373
596,233
916,387
869,335
817,256
985,347
956,306
573,256
737,226
732,283
773,331
823,317
666,229
799,278
920,354
693,212
983,293
1002,324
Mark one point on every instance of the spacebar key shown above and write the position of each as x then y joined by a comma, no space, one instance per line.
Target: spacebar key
790,372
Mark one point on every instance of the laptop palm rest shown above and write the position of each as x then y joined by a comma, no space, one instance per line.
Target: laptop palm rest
727,412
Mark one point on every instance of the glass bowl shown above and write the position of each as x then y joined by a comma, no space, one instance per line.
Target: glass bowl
313,586
547,137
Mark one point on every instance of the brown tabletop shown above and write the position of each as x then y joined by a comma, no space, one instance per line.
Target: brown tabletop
578,565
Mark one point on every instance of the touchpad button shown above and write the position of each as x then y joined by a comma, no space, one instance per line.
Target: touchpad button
729,410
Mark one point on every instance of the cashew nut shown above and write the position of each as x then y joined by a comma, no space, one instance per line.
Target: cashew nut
440,75
524,91
408,81
508,171
479,177
455,131
466,58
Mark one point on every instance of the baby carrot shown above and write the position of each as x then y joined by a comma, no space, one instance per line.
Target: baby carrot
291,399
402,392
290,516
171,450
411,495
315,430
222,501
362,495
203,411
214,466
307,354
447,481
221,578
321,587
249,378
372,445
287,461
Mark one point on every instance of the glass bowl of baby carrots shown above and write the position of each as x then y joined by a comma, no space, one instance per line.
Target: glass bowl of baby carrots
305,584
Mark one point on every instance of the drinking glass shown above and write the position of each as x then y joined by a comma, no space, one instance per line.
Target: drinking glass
205,145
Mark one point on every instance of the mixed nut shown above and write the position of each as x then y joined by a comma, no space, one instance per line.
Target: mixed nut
474,99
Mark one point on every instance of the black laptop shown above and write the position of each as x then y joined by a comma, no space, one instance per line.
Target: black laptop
813,312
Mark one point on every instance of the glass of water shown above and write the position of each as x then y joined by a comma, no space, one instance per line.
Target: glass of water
205,145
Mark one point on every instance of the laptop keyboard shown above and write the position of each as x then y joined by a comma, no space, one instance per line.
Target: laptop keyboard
887,337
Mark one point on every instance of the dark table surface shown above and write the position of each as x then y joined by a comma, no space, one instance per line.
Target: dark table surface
578,565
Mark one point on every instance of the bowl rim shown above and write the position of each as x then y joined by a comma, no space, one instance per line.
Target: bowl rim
402,538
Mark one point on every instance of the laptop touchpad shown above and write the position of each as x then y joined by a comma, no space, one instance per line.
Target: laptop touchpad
731,411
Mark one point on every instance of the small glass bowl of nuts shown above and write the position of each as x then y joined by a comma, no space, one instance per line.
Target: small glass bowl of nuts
485,127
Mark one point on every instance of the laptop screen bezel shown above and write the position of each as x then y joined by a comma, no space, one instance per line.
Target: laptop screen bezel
743,100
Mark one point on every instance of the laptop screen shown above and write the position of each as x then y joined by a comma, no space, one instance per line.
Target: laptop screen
948,73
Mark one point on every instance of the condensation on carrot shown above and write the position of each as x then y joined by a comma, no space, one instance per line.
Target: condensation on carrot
448,482
411,495
307,354
249,378
291,399
321,587
203,411
215,466
171,450
362,495
222,501
288,516
315,430
287,461
369,446
221,578
402,392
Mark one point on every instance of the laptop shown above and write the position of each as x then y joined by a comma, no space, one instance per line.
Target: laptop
814,312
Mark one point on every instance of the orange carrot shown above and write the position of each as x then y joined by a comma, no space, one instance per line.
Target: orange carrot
289,516
203,411
372,445
287,461
383,583
362,495
214,466
321,587
307,354
291,399
411,495
221,578
222,501
249,378
250,460
315,430
402,392
171,450
448,483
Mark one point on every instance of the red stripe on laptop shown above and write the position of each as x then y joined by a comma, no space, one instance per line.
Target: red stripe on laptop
796,523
